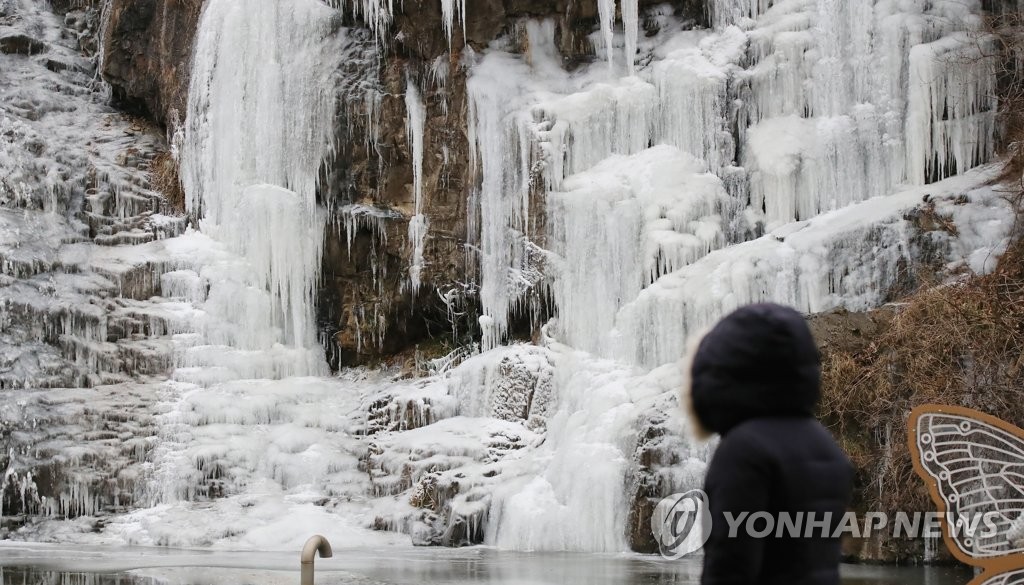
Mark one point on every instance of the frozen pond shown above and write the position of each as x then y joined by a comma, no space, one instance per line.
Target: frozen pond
64,565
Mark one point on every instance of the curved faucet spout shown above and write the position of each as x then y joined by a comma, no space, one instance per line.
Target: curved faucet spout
315,544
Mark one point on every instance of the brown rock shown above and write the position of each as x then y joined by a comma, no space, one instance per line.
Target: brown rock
147,54
19,44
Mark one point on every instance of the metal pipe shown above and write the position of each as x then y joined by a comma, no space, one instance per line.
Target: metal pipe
315,544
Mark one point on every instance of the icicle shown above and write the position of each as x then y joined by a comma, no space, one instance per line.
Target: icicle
501,158
355,217
617,227
832,82
261,106
450,9
726,12
101,49
415,121
606,14
592,125
631,22
378,14
488,134
951,109
286,263
692,96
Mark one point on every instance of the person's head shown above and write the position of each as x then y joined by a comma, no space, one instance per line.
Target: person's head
759,361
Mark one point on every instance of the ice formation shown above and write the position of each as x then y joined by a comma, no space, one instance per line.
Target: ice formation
799,107
379,14
569,494
503,195
629,10
799,120
261,103
415,120
606,15
453,11
779,155
845,258
74,186
642,216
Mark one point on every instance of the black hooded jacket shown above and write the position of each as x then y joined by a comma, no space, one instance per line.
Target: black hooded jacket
756,381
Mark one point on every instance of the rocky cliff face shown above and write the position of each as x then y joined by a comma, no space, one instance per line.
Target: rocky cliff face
367,311
147,49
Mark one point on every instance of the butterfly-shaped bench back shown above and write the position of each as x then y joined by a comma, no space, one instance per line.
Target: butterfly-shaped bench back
973,465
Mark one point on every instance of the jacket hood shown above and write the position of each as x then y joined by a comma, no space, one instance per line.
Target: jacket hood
759,361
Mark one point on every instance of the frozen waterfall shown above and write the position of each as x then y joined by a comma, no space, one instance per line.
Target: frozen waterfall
792,109
415,120
260,111
167,385
771,158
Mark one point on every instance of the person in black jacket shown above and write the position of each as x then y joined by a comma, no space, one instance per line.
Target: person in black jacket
755,380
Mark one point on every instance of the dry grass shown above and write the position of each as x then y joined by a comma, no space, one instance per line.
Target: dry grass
960,343
164,173
955,344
